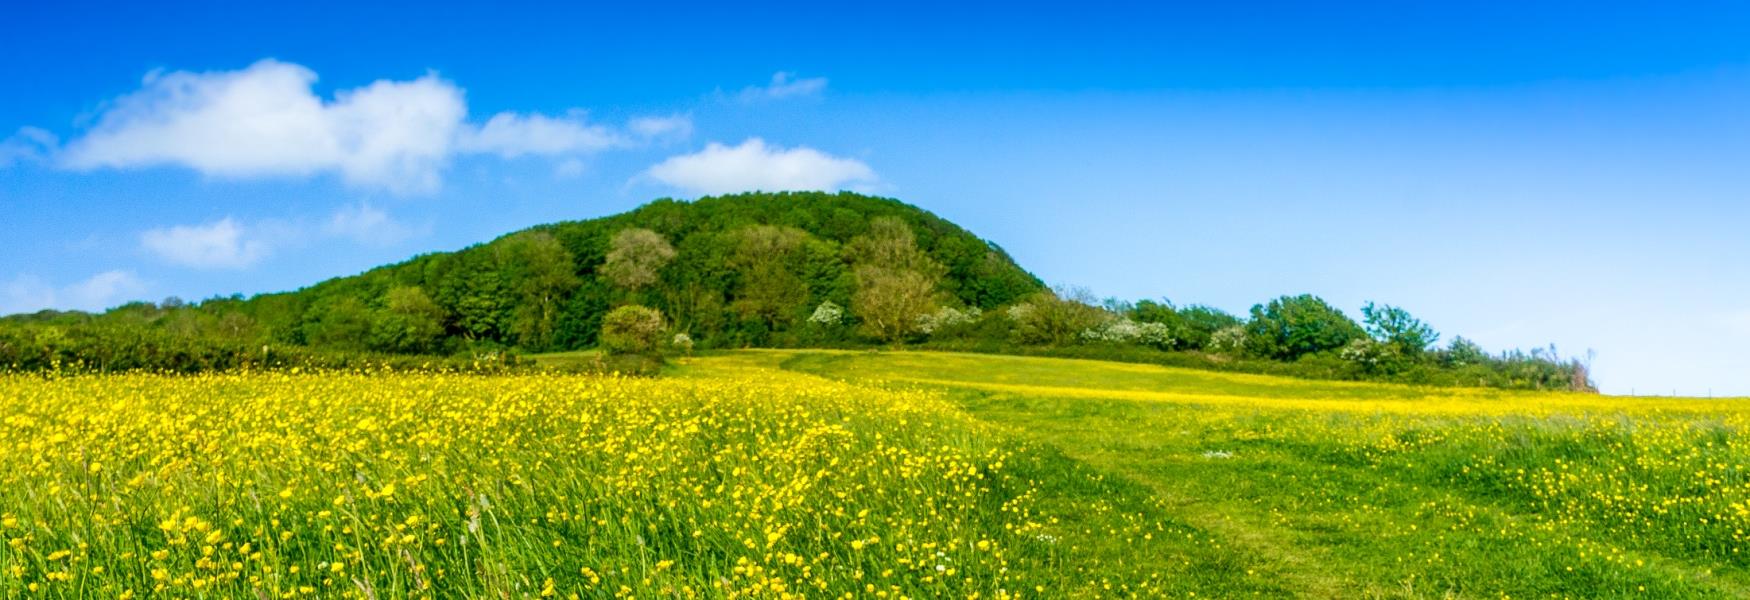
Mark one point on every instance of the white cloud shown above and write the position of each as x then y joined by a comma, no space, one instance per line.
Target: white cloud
222,244
28,293
669,127
369,225
751,166
784,84
265,120
511,135
29,144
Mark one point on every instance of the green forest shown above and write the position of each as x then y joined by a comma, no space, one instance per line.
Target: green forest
748,270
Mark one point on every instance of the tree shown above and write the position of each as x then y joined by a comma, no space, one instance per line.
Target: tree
342,323
771,288
411,323
632,329
1290,327
471,287
1395,327
890,244
1198,325
542,275
636,257
896,282
1462,352
890,301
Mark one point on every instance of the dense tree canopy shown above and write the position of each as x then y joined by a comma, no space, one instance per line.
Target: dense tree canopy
1290,327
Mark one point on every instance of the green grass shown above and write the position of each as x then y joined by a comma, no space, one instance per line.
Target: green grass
1320,489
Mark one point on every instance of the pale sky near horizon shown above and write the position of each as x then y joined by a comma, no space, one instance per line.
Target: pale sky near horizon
1567,173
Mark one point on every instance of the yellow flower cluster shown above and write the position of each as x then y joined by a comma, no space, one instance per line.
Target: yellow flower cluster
394,485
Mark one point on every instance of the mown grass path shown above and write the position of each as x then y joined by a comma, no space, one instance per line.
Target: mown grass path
1320,489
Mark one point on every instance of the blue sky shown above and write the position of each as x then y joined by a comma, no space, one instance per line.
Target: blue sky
1567,173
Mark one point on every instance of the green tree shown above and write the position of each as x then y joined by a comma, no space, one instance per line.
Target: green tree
767,259
542,275
341,323
472,288
1290,327
1198,325
411,323
632,329
896,282
1395,327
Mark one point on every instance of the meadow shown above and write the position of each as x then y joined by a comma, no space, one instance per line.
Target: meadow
773,474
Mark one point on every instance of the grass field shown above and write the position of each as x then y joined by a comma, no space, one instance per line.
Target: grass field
1359,490
832,474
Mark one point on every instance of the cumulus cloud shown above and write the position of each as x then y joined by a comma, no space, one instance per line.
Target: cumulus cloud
368,225
222,244
753,165
29,144
784,84
28,293
266,120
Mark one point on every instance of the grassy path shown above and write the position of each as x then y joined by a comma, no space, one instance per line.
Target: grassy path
1328,490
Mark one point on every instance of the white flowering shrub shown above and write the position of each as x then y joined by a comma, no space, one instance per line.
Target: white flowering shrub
827,314
1155,335
947,317
682,342
1228,340
1126,331
1115,331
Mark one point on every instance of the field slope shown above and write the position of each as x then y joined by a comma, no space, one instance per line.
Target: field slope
815,474
1368,490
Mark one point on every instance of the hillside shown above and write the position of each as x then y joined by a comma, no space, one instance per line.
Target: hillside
1347,489
739,270
728,271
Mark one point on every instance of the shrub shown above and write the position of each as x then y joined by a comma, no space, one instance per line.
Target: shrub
632,329
1055,317
827,314
1227,340
948,318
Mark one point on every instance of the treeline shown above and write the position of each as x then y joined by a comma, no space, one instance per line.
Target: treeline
749,270
1300,336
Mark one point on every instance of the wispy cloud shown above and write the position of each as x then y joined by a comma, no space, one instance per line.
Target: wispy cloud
27,145
661,128
29,293
222,244
784,84
368,225
266,121
511,135
753,165
232,244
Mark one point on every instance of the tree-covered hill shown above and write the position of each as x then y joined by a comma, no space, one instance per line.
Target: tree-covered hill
727,271
737,270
